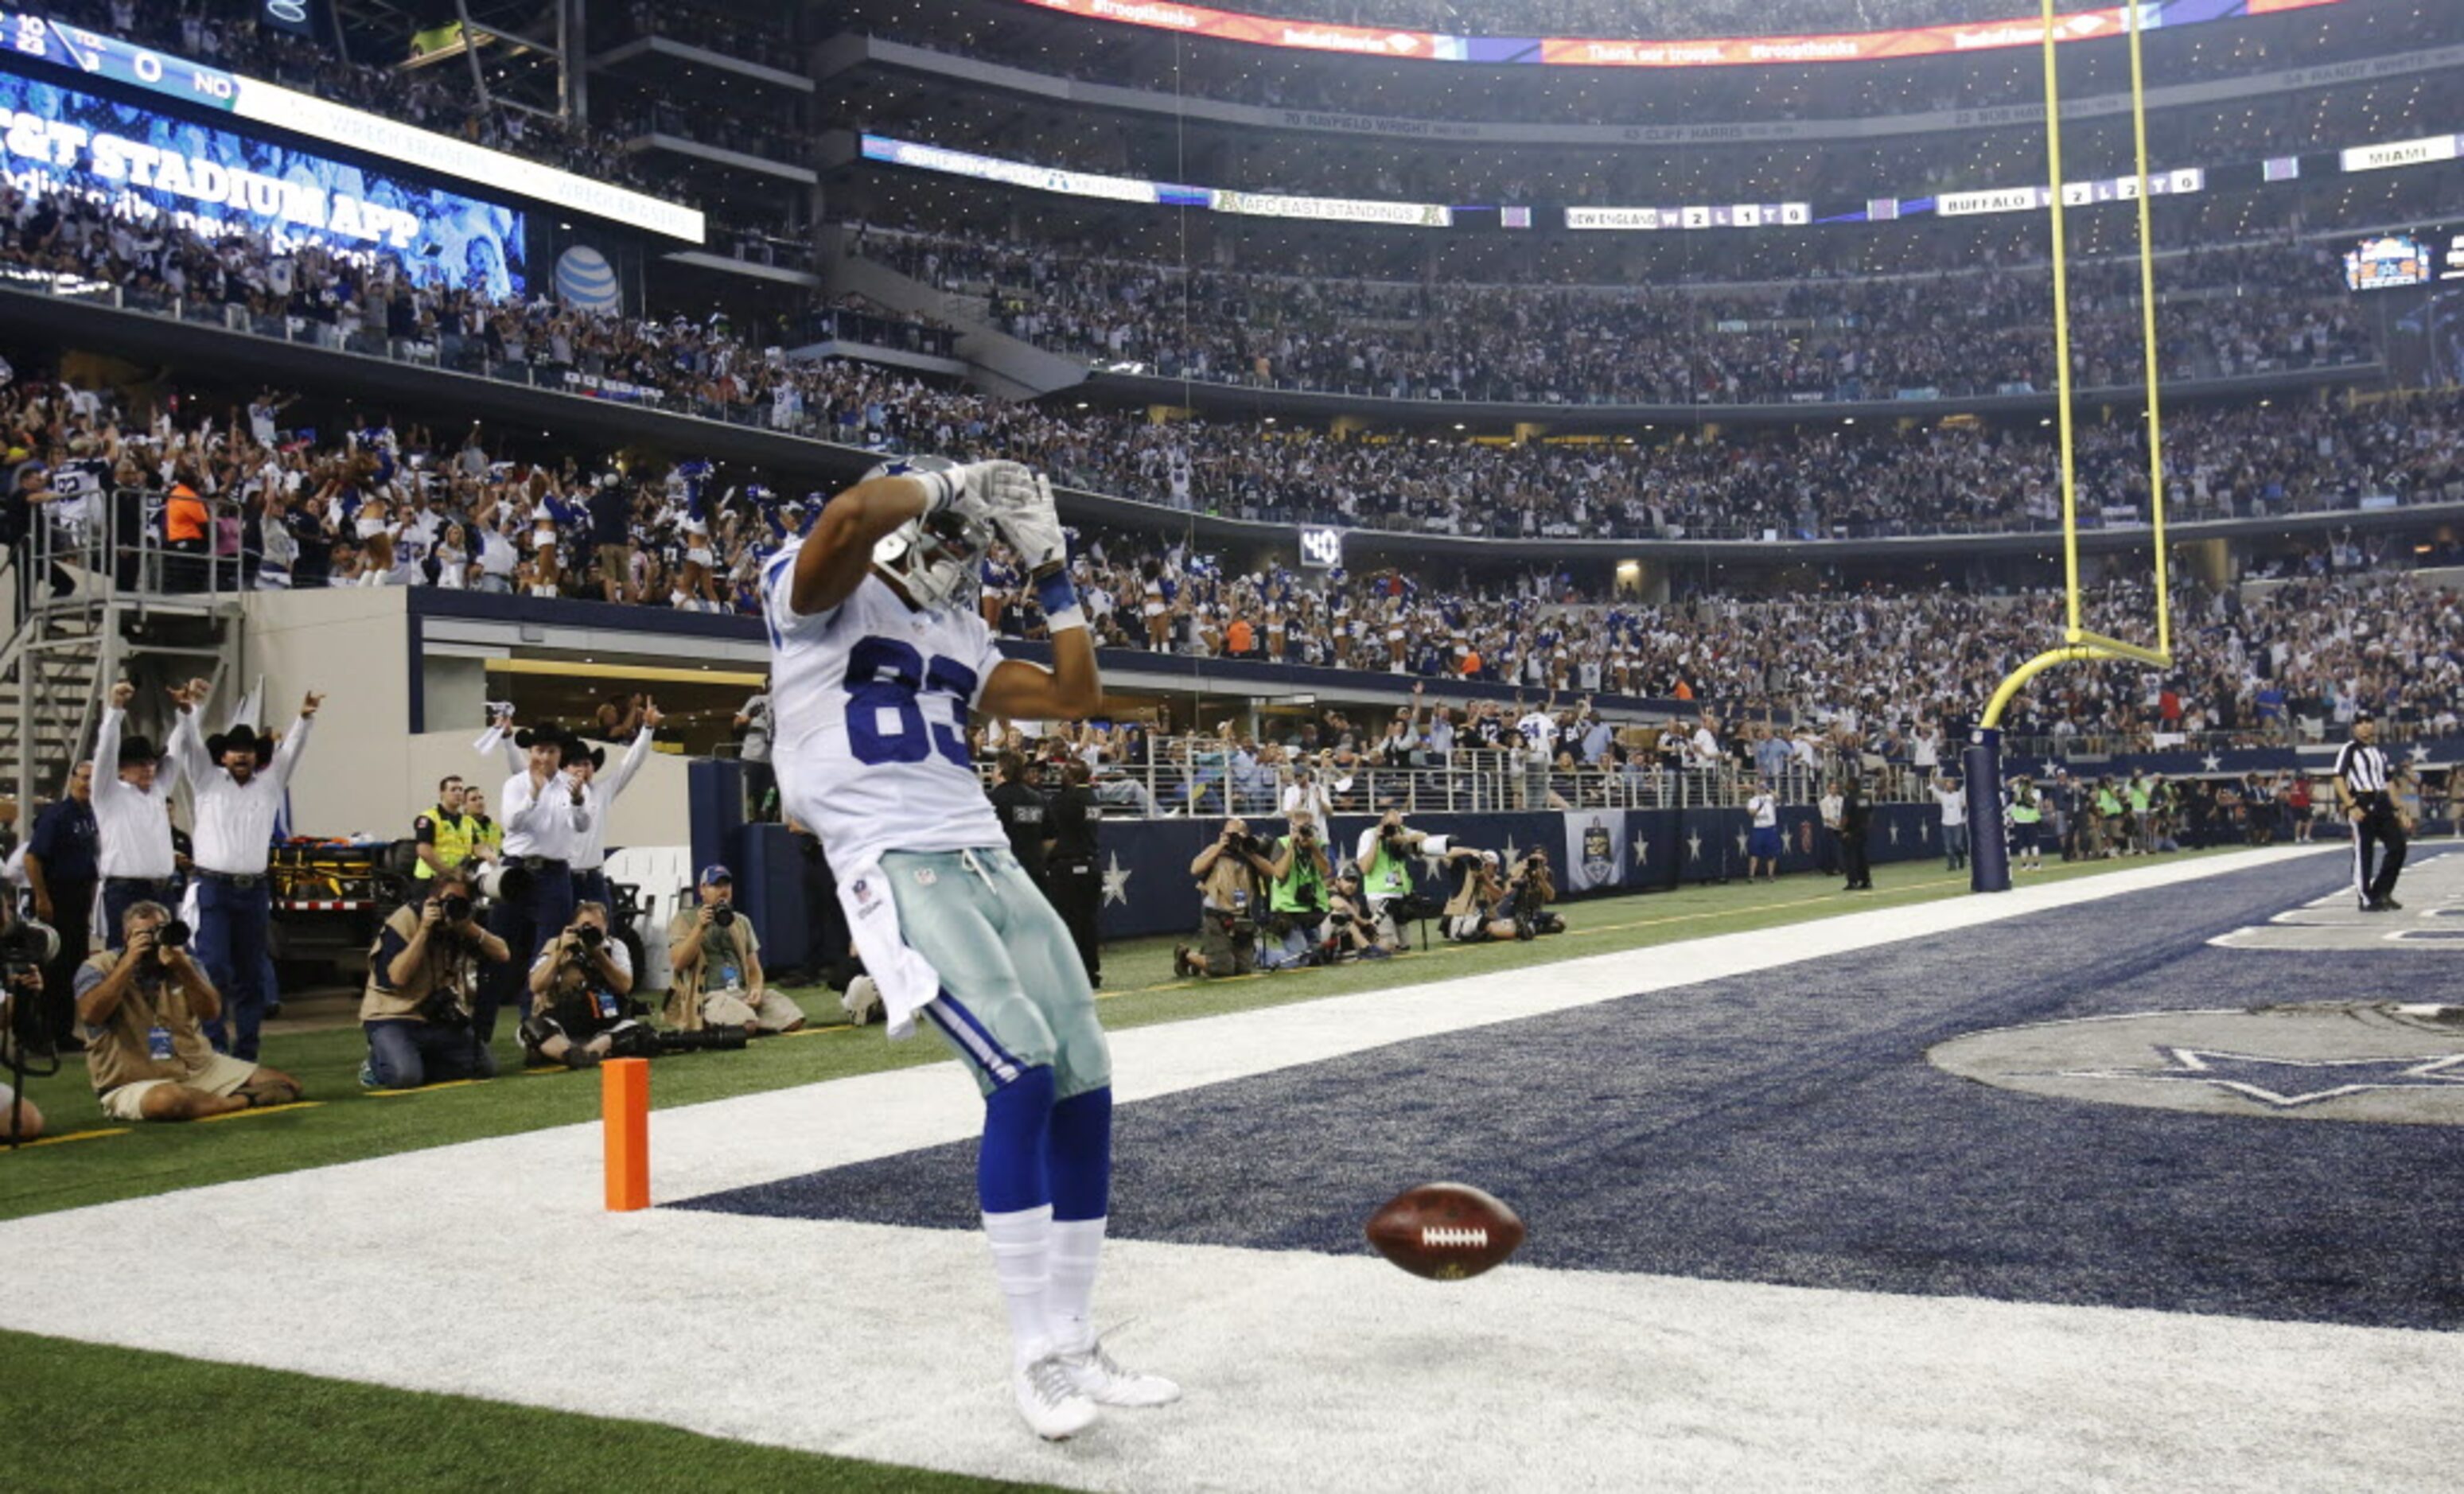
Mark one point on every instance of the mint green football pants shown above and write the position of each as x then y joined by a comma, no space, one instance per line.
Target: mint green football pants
1014,996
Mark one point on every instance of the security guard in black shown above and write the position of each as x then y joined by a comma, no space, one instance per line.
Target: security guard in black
1019,801
1077,885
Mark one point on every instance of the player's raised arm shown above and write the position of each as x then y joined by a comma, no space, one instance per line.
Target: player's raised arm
832,560
1071,690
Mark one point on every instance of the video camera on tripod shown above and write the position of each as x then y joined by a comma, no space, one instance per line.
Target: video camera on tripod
26,947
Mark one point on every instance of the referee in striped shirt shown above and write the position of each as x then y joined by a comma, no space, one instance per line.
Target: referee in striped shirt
2362,793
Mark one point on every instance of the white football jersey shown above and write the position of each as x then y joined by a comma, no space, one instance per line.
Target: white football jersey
868,706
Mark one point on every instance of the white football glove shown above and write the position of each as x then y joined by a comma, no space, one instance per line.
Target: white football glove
1023,511
966,487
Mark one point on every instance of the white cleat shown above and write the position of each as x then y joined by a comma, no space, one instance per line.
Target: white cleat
1050,1400
1106,1384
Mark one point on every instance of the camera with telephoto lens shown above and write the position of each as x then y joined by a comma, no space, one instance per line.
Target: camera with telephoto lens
171,935
723,915
503,883
455,906
26,947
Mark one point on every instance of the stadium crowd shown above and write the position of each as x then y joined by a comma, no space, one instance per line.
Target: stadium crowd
1676,95
2225,313
375,505
1819,480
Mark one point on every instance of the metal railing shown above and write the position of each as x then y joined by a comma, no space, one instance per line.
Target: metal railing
82,550
2290,729
1201,778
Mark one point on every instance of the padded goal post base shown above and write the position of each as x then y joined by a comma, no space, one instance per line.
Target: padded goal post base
1988,844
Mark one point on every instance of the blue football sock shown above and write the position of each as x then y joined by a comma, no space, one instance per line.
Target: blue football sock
1010,1169
1081,1156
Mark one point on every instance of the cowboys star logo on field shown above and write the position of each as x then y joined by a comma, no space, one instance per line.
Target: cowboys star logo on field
2288,1082
2335,1060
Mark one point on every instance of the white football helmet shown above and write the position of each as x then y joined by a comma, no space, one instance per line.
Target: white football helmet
861,1001
939,559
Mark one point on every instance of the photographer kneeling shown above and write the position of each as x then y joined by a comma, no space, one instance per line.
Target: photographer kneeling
423,976
1227,873
1296,897
1470,915
1530,889
717,960
142,1010
581,998
1384,856
1350,928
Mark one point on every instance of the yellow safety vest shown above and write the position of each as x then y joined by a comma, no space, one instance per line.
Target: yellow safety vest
453,840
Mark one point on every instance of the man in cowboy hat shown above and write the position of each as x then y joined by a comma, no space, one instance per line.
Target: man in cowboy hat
132,816
545,811
238,779
599,795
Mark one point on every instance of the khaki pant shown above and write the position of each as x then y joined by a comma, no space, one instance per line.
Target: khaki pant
225,1075
772,1011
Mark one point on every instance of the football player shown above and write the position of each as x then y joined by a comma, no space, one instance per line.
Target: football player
878,653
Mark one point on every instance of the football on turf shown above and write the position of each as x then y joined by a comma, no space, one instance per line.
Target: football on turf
1447,1232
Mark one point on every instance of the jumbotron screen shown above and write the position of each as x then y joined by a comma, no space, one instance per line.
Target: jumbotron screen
2387,262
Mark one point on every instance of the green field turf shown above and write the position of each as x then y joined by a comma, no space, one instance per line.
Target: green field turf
86,1417
75,1408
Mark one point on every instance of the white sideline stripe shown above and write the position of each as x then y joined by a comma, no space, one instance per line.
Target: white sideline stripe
436,1270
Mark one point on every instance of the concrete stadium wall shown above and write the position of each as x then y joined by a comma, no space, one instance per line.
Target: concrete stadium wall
367,772
349,643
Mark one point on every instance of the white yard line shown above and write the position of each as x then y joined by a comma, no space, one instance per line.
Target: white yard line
463,1268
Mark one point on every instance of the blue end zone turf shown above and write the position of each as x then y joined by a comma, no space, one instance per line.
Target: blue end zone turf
1785,1127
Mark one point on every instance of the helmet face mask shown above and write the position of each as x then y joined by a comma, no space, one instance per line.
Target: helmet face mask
935,561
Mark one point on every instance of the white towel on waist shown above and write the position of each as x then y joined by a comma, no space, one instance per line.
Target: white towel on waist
907,983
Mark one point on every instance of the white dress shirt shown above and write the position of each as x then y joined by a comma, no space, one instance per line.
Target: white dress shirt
235,819
542,821
132,825
598,795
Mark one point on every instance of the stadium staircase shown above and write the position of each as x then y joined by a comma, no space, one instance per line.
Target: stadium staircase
1002,365
61,659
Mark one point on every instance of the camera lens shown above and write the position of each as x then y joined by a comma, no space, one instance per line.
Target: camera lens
724,915
590,934
171,935
455,907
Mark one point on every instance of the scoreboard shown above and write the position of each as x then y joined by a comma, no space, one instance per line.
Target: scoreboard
2387,262
117,61
30,39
